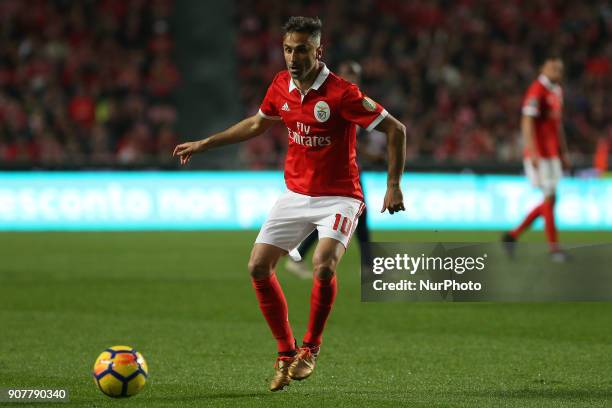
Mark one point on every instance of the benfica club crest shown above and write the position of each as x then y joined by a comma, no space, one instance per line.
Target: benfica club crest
321,111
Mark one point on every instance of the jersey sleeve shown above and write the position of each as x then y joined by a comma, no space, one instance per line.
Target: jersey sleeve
268,108
532,101
358,108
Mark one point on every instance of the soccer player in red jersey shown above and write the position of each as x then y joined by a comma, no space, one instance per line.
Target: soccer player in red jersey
545,150
350,71
320,111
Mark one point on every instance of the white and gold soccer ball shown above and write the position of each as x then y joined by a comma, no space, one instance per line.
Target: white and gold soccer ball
120,371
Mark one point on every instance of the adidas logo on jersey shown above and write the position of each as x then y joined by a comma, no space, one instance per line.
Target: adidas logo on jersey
285,107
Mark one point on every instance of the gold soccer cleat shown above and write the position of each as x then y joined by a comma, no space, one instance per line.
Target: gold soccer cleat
281,376
303,365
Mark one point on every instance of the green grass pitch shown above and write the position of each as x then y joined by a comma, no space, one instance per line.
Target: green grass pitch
185,301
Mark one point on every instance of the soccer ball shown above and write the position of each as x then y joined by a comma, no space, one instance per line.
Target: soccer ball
120,371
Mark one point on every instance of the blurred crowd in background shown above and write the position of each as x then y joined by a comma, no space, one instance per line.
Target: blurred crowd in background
454,72
92,83
86,82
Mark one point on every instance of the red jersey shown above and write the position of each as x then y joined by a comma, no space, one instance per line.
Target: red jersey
321,156
544,102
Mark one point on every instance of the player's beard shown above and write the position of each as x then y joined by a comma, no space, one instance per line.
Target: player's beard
301,72
295,73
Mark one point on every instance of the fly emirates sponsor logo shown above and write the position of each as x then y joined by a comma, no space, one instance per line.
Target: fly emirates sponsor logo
303,137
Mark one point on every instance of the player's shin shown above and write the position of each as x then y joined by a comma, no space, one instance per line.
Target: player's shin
322,298
529,219
548,211
273,305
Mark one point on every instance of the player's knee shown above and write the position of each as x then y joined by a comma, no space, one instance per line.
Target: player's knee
324,269
259,269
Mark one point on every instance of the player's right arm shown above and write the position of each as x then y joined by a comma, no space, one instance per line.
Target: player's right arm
244,130
530,111
528,132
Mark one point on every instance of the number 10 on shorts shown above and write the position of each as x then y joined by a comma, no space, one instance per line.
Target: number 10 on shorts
345,227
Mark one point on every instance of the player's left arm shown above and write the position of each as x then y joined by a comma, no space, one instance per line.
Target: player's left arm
564,152
396,158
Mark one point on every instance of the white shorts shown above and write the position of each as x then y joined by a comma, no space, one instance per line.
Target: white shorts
294,216
546,176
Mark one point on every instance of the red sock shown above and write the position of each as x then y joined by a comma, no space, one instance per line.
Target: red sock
321,301
535,213
548,211
274,308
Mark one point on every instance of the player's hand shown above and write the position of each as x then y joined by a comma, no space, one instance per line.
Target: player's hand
185,150
535,161
394,200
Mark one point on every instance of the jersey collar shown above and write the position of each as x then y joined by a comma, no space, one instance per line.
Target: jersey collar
323,74
548,84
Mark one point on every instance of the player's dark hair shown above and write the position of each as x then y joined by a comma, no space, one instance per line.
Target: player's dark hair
543,58
300,24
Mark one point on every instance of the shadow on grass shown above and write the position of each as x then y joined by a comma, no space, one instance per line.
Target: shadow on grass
263,394
548,393
210,396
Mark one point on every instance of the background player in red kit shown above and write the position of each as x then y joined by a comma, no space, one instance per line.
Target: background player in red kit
320,111
545,149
